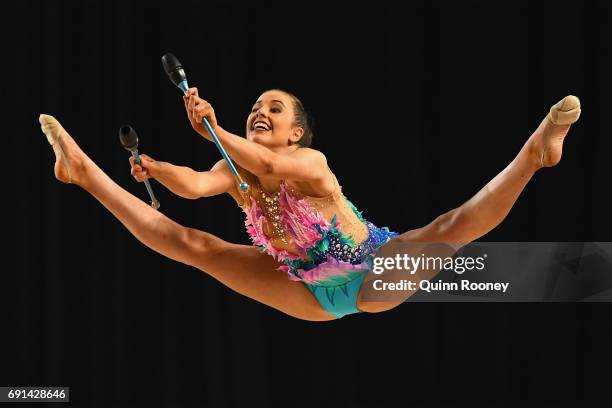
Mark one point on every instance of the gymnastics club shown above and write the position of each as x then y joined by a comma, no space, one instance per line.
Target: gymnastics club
177,75
129,140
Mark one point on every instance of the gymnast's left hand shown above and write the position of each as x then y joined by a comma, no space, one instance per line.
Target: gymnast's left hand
197,109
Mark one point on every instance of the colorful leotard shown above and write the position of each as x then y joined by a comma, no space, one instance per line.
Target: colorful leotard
323,242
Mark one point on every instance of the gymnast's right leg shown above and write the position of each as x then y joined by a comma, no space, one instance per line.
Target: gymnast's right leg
242,268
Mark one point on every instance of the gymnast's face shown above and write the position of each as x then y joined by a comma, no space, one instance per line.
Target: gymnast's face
272,121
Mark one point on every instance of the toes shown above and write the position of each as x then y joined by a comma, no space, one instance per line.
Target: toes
566,111
569,102
53,130
50,127
45,119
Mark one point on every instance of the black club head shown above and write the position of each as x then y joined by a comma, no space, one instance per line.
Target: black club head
173,68
128,137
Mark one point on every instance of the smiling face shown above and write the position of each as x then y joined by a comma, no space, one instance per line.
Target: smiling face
272,121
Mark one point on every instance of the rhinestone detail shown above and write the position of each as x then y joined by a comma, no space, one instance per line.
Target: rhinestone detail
272,211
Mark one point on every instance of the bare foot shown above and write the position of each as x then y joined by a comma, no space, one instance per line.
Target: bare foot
546,143
69,158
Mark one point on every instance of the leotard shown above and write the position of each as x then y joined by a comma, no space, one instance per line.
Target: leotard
323,242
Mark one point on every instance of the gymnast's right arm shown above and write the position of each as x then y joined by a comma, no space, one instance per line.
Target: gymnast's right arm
184,181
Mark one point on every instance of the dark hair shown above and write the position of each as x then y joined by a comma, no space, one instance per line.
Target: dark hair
302,119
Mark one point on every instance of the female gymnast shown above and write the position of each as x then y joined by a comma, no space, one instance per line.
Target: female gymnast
301,224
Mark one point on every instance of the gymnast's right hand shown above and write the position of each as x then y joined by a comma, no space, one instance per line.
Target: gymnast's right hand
146,170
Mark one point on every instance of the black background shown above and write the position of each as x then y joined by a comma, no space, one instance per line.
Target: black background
417,105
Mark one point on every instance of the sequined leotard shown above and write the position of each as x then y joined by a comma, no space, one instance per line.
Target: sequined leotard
323,242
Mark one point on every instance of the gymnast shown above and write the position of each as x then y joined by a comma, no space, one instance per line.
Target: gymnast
312,248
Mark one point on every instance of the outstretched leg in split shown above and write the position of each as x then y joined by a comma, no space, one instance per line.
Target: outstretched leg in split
488,208
242,268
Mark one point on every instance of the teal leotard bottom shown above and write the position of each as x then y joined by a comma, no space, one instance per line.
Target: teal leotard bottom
339,300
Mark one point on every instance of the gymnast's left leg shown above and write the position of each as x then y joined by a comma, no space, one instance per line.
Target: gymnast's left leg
491,204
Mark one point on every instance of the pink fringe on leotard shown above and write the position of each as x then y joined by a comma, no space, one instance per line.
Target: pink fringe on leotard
325,271
299,219
254,223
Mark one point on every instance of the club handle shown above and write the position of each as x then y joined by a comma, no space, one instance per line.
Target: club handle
243,185
154,202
